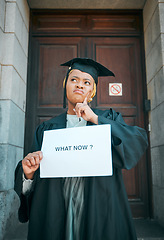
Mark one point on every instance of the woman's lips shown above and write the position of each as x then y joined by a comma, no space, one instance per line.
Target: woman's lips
78,91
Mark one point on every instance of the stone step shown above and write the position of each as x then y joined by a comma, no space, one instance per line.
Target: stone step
149,238
137,239
146,230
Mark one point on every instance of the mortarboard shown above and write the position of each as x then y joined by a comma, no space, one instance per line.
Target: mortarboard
87,65
90,66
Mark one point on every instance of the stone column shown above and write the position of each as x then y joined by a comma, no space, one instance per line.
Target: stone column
154,50
14,31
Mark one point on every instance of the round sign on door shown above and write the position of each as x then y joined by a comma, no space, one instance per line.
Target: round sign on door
115,89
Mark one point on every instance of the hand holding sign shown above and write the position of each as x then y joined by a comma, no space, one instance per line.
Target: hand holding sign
31,163
84,111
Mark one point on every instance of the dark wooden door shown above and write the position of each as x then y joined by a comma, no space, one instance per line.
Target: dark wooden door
113,40
123,56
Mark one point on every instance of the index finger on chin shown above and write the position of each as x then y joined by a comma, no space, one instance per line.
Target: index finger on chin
86,100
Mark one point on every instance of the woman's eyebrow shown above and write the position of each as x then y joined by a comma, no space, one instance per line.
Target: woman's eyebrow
87,79
75,77
83,78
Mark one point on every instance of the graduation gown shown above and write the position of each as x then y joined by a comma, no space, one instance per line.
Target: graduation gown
106,215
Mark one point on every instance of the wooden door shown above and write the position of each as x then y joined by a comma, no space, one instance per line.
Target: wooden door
113,40
123,56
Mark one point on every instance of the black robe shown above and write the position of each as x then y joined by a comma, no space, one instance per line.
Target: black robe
107,214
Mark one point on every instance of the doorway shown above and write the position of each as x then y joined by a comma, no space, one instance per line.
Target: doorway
109,37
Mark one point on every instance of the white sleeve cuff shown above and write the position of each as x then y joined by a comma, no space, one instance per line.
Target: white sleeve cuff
27,185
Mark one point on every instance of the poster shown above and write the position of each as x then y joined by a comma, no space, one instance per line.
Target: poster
77,152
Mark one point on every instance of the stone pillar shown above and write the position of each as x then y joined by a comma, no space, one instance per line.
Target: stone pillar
14,31
154,50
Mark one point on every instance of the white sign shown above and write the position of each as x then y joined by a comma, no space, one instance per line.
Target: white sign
115,89
75,152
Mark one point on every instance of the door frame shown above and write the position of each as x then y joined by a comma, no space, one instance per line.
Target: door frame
33,60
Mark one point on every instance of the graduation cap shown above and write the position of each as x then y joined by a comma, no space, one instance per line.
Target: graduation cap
87,65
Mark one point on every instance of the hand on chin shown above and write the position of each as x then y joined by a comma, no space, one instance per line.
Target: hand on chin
79,99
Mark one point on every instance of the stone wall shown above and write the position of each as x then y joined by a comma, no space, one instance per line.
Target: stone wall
154,50
14,31
86,4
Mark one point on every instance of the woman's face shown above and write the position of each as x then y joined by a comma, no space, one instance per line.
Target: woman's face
79,86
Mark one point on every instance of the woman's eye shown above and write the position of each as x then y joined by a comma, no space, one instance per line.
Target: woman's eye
73,80
87,83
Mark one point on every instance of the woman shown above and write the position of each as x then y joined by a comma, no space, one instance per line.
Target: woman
81,208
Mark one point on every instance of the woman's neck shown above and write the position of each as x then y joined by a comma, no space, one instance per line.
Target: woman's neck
71,109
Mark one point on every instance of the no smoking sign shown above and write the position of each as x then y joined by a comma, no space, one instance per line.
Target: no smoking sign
115,89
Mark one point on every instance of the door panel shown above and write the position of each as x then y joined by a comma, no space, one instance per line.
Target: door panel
122,56
53,52
119,55
113,40
45,79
